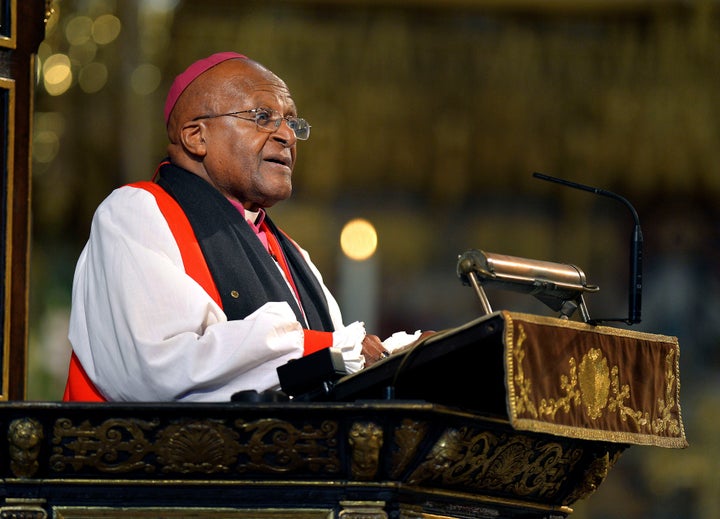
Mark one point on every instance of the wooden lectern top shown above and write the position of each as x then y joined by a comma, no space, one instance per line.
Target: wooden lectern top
543,374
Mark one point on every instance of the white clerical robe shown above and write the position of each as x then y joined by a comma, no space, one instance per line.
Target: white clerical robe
144,330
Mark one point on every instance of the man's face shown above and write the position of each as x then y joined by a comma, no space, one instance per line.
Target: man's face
244,163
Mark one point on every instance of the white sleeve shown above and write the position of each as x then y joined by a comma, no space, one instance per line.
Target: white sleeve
346,339
145,331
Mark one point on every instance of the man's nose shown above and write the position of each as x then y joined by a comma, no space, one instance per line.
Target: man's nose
284,134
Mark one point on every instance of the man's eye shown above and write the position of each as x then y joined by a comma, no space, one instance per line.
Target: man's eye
263,117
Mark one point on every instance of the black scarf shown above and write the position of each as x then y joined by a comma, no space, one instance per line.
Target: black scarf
238,261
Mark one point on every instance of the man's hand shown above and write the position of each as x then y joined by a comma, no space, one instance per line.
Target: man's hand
424,335
372,349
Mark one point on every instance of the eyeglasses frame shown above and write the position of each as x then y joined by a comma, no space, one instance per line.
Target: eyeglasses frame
276,120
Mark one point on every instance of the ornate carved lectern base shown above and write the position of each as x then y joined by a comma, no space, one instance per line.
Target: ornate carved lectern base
362,460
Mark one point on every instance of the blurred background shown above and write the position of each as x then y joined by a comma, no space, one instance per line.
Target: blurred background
429,117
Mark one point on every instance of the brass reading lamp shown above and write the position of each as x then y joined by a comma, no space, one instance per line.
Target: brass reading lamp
560,286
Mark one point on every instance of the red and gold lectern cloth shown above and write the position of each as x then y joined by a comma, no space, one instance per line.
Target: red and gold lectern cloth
592,382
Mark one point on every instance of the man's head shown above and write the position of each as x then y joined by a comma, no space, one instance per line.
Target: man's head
212,129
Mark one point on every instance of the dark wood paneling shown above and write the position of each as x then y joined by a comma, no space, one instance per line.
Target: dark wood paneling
17,68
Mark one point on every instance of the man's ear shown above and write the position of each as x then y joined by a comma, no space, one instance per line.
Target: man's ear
192,137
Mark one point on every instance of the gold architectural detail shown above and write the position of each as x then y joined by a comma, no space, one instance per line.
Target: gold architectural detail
407,438
277,446
21,508
362,510
594,475
365,441
478,463
500,462
416,512
198,446
24,438
8,169
10,41
49,10
114,446
195,446
106,512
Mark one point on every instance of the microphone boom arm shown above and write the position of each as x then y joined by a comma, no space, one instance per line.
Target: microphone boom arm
636,246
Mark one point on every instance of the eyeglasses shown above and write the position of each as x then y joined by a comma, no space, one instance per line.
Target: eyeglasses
268,120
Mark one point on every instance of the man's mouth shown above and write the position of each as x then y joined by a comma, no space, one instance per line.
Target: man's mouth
280,160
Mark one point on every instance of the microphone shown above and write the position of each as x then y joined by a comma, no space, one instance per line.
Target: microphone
636,242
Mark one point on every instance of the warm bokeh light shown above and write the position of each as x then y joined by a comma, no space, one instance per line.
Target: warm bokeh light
49,128
44,51
45,146
358,239
78,30
105,29
159,6
93,77
83,54
145,79
57,75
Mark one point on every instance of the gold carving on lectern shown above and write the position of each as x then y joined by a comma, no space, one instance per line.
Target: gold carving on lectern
278,446
201,446
365,440
595,474
189,512
362,510
115,446
507,463
24,437
23,508
205,446
407,438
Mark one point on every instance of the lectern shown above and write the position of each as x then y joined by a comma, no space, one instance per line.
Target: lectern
510,415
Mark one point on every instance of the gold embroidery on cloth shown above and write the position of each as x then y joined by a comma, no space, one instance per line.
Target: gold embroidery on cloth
592,387
523,402
594,379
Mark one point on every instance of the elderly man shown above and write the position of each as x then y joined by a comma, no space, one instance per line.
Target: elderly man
186,290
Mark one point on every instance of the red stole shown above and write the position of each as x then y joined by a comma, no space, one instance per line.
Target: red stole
79,387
